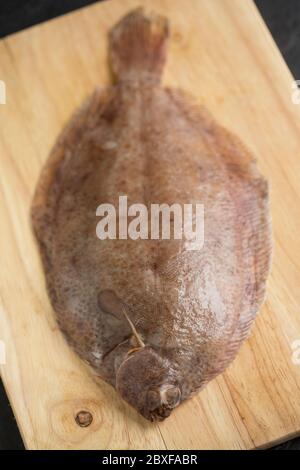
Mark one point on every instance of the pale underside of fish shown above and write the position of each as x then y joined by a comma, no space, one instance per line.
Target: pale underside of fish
154,319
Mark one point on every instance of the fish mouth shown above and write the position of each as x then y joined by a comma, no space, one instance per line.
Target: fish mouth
160,414
166,398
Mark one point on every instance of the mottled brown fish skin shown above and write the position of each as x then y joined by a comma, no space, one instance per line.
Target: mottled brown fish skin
191,309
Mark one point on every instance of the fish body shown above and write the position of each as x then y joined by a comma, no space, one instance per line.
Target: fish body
154,318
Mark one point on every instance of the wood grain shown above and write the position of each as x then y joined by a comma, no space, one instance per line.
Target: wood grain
222,53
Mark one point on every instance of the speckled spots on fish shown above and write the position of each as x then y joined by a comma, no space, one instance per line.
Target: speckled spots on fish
155,320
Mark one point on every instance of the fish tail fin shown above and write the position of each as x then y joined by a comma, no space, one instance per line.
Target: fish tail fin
137,44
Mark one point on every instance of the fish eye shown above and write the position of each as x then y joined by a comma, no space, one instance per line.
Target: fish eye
153,399
172,396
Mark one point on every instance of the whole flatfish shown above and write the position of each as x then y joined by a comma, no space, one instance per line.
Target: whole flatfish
155,319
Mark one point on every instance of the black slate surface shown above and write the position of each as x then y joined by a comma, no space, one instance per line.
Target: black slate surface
283,20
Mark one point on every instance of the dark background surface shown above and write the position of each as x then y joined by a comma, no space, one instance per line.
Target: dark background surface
283,20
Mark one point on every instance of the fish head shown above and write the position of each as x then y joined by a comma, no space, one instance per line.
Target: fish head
146,381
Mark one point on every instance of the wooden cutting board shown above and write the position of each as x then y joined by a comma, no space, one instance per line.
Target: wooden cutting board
222,53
